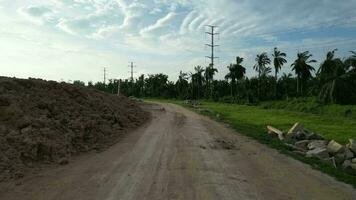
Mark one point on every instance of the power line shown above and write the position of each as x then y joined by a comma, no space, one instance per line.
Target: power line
212,45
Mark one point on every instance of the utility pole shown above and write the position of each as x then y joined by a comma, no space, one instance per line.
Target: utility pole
118,87
132,78
104,76
132,71
212,33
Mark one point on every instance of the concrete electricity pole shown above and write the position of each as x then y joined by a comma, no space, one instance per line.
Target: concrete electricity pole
212,33
132,71
118,87
104,76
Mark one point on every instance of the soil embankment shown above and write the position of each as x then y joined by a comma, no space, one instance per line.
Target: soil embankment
45,122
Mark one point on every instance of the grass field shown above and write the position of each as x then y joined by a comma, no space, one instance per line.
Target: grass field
252,121
332,127
311,105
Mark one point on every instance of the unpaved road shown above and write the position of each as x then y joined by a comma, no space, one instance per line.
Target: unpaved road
181,155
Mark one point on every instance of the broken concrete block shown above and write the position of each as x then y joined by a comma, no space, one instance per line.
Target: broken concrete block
321,153
315,136
332,161
302,144
296,127
315,144
348,154
352,145
294,147
353,166
334,147
346,164
272,130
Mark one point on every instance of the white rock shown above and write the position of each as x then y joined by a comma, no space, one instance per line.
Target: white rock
295,128
334,147
321,153
315,144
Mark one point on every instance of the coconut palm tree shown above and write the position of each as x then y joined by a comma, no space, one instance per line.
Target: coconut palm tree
330,72
209,77
278,61
302,69
350,62
332,67
236,72
197,79
261,61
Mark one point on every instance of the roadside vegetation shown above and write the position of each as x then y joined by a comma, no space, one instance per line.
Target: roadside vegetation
333,82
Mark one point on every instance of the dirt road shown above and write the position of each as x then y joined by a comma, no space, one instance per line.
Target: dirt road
181,155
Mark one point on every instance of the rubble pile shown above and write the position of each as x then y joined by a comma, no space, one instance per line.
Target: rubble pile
310,144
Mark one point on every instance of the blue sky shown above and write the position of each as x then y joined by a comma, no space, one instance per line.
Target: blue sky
75,39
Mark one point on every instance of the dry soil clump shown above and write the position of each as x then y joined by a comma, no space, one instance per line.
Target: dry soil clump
44,122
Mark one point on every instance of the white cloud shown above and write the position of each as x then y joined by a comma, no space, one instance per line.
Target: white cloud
152,28
37,14
159,24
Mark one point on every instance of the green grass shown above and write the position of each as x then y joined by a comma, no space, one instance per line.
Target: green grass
311,105
337,128
252,121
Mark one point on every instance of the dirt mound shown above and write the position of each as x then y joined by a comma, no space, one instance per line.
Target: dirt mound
46,122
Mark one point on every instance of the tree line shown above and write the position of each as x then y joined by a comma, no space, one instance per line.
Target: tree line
333,82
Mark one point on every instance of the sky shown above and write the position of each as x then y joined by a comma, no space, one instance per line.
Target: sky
66,40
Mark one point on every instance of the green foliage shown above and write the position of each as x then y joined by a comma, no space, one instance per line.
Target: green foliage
79,83
303,70
334,82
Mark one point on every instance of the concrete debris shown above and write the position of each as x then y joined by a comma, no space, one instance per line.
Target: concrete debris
317,144
321,153
275,131
303,144
334,147
352,145
315,136
307,143
296,127
294,147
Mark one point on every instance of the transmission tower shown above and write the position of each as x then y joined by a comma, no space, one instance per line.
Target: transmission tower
212,45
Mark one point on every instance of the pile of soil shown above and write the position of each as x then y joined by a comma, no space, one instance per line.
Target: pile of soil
45,122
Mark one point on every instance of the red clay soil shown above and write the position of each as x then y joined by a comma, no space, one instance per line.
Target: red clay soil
45,122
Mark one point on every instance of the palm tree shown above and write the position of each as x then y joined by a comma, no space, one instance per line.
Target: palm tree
330,71
350,62
236,72
182,84
278,61
302,69
197,79
209,77
261,61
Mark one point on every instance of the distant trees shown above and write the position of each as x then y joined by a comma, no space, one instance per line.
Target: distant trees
333,82
279,59
209,78
336,79
261,61
236,72
303,70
